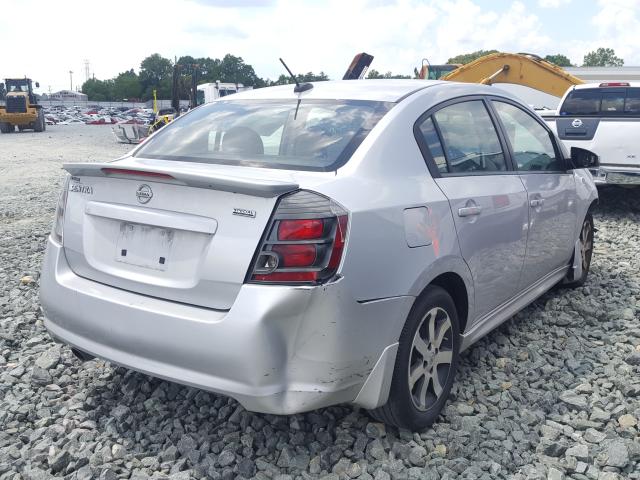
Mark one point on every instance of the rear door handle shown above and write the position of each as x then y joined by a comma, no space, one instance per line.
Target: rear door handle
536,202
469,211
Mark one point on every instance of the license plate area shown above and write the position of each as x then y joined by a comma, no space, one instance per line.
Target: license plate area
144,246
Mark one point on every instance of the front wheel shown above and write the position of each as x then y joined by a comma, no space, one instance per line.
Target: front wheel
39,125
426,363
586,251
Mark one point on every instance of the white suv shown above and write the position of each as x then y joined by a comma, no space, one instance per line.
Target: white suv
605,119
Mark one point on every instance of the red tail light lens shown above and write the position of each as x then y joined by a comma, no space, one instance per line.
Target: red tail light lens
300,229
296,255
304,242
338,244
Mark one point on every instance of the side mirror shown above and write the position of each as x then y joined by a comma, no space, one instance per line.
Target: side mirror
582,158
37,84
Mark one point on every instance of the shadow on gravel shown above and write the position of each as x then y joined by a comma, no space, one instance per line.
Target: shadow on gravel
622,201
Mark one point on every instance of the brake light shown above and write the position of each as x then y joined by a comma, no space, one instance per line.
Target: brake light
615,84
300,229
304,242
137,173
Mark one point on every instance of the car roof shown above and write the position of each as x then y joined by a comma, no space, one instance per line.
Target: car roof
598,85
382,90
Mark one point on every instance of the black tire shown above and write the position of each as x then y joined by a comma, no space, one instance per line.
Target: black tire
6,128
586,249
405,407
39,124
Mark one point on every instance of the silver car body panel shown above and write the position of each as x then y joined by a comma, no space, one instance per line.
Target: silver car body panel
552,206
278,349
275,348
493,238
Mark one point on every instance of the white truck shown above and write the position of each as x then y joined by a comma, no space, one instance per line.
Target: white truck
605,119
208,92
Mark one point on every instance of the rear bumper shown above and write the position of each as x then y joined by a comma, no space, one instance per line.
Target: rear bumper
608,175
278,349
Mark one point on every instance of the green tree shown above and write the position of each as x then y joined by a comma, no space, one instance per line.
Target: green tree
470,57
156,73
559,60
602,57
234,70
376,74
307,77
126,85
98,90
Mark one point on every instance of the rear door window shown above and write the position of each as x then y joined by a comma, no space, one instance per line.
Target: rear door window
432,140
632,102
469,141
605,101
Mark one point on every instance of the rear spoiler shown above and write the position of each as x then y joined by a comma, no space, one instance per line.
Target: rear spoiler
214,180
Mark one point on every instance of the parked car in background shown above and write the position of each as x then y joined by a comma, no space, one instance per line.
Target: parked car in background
342,242
604,118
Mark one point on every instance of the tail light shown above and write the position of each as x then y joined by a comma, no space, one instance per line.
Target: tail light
58,221
304,241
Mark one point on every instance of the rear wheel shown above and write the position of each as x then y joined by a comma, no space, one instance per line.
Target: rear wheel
586,251
426,363
39,124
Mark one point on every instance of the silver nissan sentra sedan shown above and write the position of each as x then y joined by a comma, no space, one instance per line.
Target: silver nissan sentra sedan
335,242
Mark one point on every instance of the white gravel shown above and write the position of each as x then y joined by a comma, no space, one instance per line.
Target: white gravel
554,393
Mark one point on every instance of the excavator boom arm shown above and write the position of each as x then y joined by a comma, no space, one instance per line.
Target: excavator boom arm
521,69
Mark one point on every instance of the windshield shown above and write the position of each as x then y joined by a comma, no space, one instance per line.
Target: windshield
19,86
316,135
602,102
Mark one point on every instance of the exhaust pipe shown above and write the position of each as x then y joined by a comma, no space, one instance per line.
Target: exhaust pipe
82,356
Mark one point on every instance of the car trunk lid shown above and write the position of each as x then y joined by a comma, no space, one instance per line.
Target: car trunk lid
184,234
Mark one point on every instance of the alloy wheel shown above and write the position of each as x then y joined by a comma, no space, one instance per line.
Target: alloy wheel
430,358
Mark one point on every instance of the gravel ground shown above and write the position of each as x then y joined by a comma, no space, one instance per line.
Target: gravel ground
552,394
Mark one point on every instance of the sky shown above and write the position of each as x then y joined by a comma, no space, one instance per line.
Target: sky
311,35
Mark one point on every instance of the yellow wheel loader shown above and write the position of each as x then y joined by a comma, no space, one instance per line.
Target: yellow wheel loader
21,108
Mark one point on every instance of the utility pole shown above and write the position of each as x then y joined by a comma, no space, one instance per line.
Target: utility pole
70,80
86,70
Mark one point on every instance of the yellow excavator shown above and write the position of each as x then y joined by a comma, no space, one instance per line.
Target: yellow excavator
519,68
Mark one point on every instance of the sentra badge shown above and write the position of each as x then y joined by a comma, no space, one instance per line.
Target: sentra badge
80,188
243,212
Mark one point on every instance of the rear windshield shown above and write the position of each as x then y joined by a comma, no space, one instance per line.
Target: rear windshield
312,135
602,102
